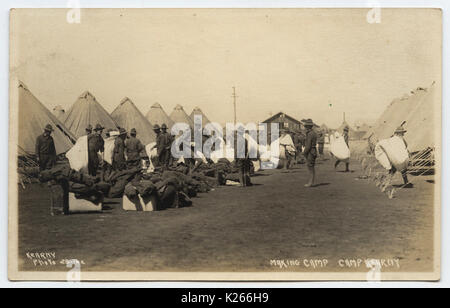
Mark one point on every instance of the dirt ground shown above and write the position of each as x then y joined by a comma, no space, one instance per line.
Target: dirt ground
243,229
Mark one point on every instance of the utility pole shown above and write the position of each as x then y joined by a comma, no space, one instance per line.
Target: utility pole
234,103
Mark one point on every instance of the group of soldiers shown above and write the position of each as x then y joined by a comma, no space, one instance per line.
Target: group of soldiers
127,153
129,150
310,146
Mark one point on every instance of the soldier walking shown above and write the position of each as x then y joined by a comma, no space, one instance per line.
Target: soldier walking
347,163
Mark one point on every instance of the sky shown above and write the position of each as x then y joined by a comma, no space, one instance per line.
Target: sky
308,63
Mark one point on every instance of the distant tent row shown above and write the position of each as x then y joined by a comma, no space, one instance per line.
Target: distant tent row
157,115
178,115
70,125
415,112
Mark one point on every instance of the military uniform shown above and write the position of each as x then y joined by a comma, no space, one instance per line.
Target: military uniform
134,147
45,151
310,151
118,161
163,145
243,164
95,144
321,142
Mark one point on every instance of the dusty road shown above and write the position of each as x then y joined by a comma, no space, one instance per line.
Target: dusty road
243,229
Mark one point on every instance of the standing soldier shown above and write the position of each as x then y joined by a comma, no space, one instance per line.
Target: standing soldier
167,144
289,157
118,161
298,145
157,131
400,132
45,149
243,162
95,145
134,147
347,163
310,151
321,142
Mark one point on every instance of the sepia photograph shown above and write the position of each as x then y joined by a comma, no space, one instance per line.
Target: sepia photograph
225,144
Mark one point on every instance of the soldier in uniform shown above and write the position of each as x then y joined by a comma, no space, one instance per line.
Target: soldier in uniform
310,151
157,131
321,142
45,149
118,161
134,147
167,144
347,163
400,132
95,144
243,162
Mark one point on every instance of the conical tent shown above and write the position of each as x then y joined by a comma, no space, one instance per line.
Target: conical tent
157,115
406,111
87,111
59,112
198,111
420,124
33,117
127,115
178,115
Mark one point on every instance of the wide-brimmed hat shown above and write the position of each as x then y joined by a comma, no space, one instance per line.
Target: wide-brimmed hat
164,126
122,131
98,127
89,128
156,127
133,131
400,130
308,122
48,128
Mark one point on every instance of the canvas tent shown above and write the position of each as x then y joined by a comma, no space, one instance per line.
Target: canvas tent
87,111
127,115
33,117
198,111
59,112
421,121
157,115
415,112
178,115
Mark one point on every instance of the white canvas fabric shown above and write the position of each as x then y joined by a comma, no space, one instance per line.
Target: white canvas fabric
109,149
338,147
78,154
396,152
